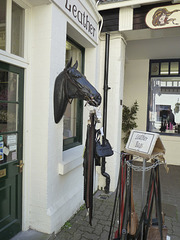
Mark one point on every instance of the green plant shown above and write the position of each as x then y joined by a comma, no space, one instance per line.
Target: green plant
128,120
67,225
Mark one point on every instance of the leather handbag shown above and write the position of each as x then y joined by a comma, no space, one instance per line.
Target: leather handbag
103,150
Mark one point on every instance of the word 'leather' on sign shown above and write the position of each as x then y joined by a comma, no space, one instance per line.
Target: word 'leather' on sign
144,144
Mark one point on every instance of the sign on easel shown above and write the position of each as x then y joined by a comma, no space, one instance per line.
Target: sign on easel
144,144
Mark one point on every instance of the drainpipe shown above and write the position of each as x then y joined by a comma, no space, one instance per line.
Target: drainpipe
105,98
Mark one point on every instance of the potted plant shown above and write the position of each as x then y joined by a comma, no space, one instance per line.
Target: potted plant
129,116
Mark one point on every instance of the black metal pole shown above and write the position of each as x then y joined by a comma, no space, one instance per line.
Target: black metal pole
105,100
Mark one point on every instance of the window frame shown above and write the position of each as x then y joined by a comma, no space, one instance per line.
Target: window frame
169,61
76,140
8,27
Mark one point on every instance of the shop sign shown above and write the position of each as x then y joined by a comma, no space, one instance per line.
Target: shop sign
144,144
80,15
164,17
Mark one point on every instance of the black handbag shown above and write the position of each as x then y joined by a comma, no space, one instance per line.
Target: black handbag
103,150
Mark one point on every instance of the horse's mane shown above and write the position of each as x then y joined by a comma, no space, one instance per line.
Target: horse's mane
60,98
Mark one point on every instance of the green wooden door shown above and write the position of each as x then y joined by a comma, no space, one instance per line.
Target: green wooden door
11,134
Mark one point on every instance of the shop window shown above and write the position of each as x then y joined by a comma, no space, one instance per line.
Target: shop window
72,132
12,27
155,69
164,68
164,97
174,68
3,24
17,30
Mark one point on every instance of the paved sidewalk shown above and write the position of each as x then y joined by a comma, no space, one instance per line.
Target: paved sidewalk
78,228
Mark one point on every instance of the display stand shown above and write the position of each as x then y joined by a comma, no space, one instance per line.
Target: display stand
142,146
148,146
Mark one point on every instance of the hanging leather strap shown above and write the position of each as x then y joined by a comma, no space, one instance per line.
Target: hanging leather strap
158,201
89,166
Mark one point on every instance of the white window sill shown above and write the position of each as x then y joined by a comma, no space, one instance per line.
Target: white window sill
13,59
72,159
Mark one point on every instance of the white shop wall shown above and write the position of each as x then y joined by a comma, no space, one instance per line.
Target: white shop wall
53,198
40,72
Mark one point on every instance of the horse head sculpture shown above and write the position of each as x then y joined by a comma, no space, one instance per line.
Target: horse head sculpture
70,84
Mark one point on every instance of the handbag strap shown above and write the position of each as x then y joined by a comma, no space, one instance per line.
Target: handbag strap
89,166
97,135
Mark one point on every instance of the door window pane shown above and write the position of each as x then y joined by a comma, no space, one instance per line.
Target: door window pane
17,31
8,117
2,24
8,101
8,86
9,145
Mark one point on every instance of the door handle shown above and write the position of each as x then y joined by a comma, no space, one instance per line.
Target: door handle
20,165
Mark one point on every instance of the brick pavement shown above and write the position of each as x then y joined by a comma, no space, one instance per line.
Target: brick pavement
78,228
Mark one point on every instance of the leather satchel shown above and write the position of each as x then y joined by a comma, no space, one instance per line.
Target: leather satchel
133,225
103,150
153,233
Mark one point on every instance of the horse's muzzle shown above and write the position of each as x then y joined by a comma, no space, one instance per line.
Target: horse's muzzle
95,101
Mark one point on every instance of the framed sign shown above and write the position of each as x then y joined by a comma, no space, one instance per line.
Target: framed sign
79,14
144,144
163,17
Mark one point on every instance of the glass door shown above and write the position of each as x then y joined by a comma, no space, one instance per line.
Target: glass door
11,145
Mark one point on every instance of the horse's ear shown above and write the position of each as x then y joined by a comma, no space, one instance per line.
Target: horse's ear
75,65
69,63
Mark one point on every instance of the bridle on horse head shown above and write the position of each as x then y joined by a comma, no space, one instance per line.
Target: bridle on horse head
79,90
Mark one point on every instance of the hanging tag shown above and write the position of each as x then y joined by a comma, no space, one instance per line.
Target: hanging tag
98,114
102,132
87,213
6,151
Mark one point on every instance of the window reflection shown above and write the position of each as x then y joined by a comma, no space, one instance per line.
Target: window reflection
2,24
164,68
164,115
155,69
70,115
8,86
17,31
8,117
8,101
174,68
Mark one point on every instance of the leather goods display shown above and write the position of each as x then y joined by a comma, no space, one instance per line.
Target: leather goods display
129,228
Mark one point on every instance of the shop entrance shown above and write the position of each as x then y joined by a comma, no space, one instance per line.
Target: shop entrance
11,145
